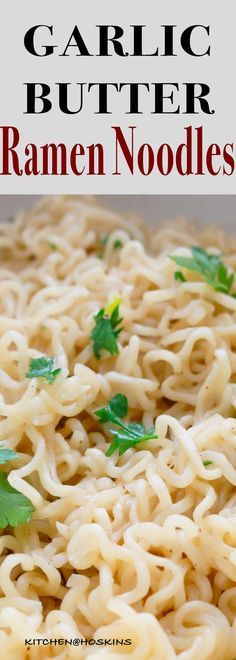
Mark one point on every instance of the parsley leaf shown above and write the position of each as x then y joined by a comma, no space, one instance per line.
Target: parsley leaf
15,508
104,239
106,331
207,463
209,266
53,246
43,368
117,244
127,434
179,276
7,454
131,436
117,407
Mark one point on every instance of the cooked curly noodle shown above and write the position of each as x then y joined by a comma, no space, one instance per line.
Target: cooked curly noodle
141,546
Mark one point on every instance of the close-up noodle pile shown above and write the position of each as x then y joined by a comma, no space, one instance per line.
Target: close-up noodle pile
135,549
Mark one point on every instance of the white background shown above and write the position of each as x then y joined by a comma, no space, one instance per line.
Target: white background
18,66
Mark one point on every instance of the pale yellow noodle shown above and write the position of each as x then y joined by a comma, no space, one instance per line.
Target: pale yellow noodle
141,546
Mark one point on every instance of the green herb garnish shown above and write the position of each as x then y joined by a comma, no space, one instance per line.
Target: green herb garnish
127,435
53,246
179,276
15,508
209,266
205,463
117,244
105,333
115,409
7,454
104,239
43,368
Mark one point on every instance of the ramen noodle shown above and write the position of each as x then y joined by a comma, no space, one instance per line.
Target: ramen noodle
138,550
